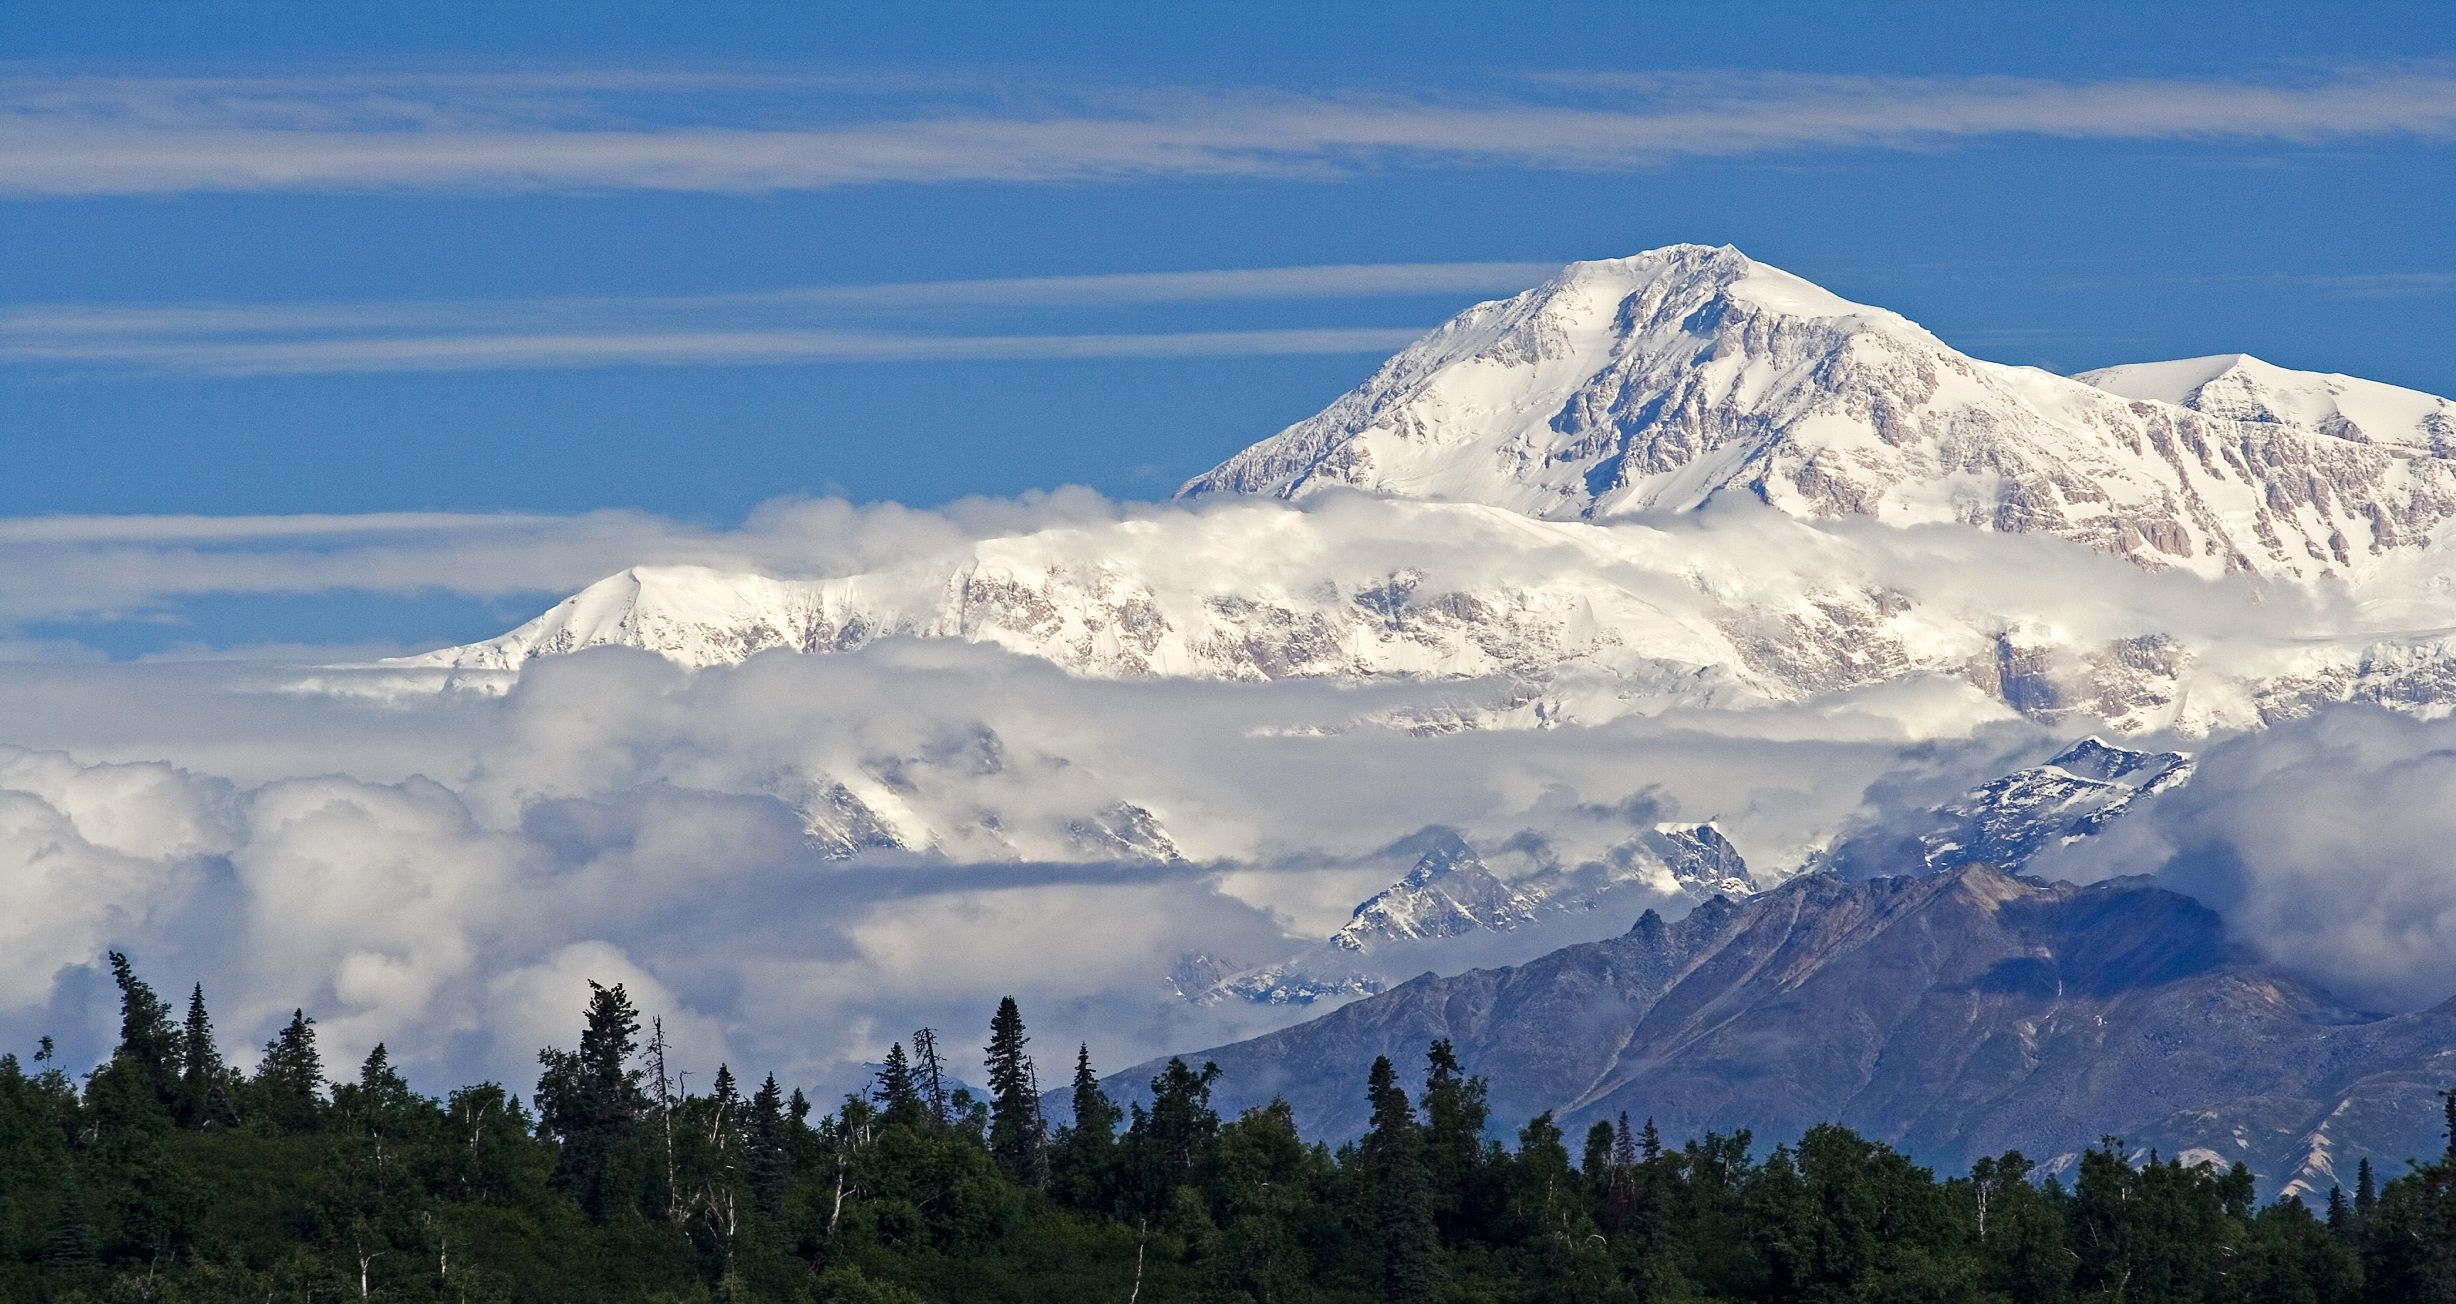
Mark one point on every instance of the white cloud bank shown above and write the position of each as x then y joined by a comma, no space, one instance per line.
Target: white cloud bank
2328,844
443,876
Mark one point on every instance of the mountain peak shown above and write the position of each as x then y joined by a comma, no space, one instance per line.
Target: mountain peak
2241,388
1662,381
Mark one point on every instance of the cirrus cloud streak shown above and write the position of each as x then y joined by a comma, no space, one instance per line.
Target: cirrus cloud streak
130,136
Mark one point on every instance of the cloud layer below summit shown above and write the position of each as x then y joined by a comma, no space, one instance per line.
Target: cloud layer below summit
444,874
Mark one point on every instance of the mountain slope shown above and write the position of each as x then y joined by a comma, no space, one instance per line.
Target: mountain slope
1687,479
1955,1015
1451,910
1577,622
1662,381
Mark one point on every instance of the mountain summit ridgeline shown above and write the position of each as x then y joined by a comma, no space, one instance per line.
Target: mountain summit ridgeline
1659,382
1689,479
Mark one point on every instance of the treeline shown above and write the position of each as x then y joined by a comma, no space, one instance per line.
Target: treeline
168,1175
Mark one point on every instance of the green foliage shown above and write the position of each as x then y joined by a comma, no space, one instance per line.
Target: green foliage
169,1178
1016,1134
287,1093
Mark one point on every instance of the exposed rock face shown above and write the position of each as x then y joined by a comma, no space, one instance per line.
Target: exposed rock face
1661,381
1955,1015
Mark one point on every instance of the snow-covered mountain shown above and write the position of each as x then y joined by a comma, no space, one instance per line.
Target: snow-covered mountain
1662,381
2007,821
1450,903
1686,478
1450,894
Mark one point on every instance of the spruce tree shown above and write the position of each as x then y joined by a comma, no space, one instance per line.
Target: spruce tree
1081,1162
594,1101
148,1045
2449,1157
1393,1155
1455,1115
2366,1191
1166,1144
289,1082
1094,1113
380,1101
768,1160
1620,1187
70,1246
204,1099
1018,1139
899,1099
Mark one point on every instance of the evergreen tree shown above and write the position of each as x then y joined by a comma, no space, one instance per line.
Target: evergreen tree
896,1093
1456,1113
593,1101
1620,1184
1082,1160
1165,1144
1018,1139
768,1157
393,1196
289,1083
204,1079
381,1099
148,1044
2448,1157
1393,1155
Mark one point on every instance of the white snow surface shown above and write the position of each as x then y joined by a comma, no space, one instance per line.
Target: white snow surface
1661,381
1688,479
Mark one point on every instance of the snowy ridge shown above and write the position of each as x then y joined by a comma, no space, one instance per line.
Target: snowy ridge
1588,621
1451,896
1688,479
2009,821
1661,381
2239,387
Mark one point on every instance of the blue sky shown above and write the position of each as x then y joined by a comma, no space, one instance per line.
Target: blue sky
274,259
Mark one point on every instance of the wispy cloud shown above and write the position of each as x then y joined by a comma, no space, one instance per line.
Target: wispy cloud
699,132
1323,281
688,348
243,529
798,324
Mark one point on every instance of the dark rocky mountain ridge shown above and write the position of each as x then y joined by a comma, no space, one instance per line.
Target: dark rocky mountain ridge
1954,1015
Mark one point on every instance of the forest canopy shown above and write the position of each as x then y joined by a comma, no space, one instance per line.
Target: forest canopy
168,1174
